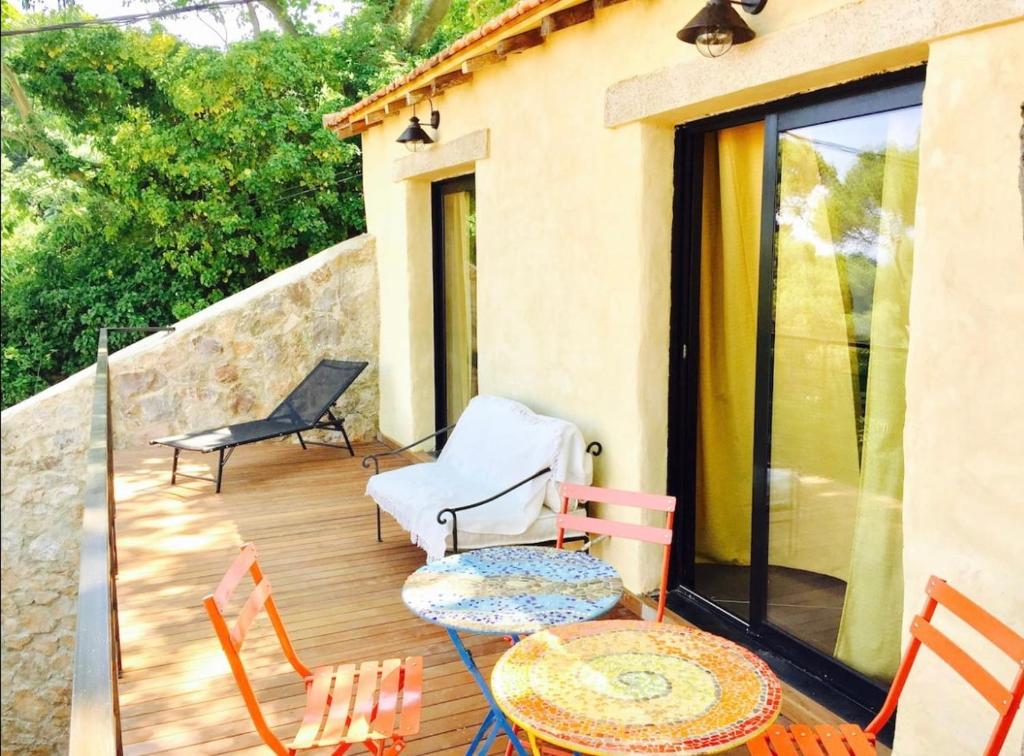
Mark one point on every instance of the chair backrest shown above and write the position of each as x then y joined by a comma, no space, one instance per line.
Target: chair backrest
662,536
311,399
232,637
1006,701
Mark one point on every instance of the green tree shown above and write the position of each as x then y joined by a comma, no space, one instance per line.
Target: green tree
145,179
200,172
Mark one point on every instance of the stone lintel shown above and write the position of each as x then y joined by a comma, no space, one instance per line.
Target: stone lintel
855,40
443,157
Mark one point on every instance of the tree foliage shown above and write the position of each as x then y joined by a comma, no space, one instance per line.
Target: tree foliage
147,179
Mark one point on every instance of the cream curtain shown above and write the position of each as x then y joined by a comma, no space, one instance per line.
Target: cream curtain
733,160
869,633
459,285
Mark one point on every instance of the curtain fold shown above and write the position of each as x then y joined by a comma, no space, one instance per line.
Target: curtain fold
459,286
733,161
841,290
869,632
814,419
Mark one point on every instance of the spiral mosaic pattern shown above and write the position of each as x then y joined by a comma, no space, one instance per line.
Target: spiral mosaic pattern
623,687
512,589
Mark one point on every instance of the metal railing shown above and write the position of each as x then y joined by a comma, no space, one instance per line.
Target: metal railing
95,710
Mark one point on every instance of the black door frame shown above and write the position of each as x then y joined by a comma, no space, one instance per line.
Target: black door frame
802,664
438,190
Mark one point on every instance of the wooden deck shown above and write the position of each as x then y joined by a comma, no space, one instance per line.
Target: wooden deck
337,589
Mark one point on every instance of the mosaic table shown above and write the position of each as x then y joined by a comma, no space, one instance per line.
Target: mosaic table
627,687
512,591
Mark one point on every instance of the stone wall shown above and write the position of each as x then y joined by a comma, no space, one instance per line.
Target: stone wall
233,361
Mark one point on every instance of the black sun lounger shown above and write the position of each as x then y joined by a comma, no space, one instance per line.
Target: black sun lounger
307,407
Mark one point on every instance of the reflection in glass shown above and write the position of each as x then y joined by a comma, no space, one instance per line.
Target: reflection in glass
843,256
459,225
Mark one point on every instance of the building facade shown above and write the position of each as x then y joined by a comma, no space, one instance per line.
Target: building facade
785,284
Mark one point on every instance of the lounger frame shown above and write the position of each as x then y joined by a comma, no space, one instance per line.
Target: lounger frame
289,422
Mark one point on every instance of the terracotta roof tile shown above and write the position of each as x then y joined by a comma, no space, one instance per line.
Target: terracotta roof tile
496,24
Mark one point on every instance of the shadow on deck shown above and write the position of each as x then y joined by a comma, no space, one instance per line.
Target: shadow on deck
337,588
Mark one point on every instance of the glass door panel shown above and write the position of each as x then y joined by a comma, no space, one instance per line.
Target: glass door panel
455,297
843,249
730,254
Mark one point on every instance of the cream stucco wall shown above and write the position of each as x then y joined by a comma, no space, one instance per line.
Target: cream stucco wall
963,509
573,232
573,222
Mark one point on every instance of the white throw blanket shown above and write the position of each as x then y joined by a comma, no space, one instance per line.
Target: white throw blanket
496,443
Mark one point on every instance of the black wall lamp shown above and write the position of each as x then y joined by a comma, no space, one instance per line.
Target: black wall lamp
414,135
718,27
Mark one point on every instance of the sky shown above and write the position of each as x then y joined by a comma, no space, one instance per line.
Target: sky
839,142
203,28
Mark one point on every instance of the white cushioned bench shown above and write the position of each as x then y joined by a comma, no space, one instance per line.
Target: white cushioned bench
494,482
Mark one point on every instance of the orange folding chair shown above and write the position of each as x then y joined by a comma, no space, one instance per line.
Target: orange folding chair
850,740
662,536
374,703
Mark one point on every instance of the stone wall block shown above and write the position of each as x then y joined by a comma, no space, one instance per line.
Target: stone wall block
232,362
226,373
298,295
136,382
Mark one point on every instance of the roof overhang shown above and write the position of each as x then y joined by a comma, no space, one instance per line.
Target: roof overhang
527,24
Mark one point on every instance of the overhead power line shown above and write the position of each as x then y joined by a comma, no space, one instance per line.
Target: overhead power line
130,18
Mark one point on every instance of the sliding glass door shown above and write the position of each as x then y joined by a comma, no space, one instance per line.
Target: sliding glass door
790,324
455,357
843,247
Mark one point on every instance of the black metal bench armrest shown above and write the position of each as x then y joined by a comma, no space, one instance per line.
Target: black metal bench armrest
375,458
454,511
593,448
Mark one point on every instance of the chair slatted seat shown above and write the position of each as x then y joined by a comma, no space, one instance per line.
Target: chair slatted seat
374,703
851,740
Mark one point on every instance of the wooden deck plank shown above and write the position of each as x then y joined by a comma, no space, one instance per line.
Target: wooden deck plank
337,588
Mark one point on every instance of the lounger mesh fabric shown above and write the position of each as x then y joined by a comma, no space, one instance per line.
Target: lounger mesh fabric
231,435
318,391
300,411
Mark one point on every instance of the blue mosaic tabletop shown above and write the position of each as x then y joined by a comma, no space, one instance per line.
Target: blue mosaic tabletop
510,590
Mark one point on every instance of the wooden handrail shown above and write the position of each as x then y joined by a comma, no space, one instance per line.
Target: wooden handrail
95,711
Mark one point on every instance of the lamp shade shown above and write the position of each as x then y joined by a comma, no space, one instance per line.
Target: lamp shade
414,134
717,20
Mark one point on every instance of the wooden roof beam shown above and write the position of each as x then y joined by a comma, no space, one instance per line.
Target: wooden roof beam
346,130
449,80
567,17
519,42
435,87
393,106
415,95
374,117
481,61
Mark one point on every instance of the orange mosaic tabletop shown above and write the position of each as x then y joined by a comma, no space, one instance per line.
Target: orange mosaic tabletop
630,687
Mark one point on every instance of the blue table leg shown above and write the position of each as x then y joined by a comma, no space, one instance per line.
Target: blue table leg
484,727
495,719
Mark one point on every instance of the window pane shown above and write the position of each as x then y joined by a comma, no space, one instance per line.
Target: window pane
730,254
843,255
460,301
